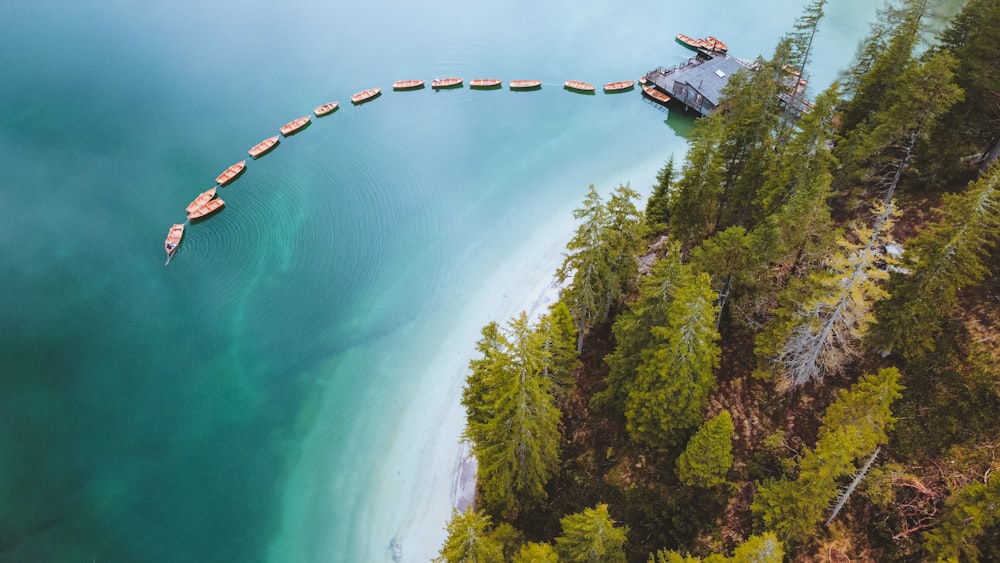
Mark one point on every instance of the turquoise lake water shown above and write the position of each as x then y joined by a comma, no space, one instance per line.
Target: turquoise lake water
263,395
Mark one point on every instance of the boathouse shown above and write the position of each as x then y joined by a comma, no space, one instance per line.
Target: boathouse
697,83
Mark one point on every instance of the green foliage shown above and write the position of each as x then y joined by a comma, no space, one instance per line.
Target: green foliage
764,548
944,258
854,425
709,453
633,329
658,204
969,127
591,537
561,358
968,512
792,203
673,382
511,417
536,553
694,206
879,153
752,117
820,321
885,56
801,39
469,540
601,259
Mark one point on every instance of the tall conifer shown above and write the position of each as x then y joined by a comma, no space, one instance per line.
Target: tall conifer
591,537
469,540
709,453
673,382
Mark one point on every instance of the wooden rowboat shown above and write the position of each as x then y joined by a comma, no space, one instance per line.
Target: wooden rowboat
407,84
326,108
579,86
173,240
294,126
525,84
263,147
689,42
446,82
619,86
485,82
231,173
656,94
202,199
207,208
365,95
713,44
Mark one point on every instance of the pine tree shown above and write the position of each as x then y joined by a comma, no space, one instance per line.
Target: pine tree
633,329
601,259
887,55
673,382
469,540
561,359
536,553
818,326
512,420
968,512
658,204
764,548
752,102
886,148
854,425
801,39
944,258
591,537
709,454
694,205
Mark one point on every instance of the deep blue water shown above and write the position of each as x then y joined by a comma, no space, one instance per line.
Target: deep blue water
152,413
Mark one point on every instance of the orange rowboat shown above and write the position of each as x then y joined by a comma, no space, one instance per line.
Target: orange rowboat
713,44
364,96
202,199
173,240
525,84
485,82
620,86
580,86
326,108
294,126
206,208
656,94
446,82
262,148
407,84
231,173
689,41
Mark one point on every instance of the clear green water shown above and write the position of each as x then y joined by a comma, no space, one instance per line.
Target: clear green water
275,391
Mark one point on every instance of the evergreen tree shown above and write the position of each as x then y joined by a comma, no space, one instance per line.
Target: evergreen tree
601,259
658,204
512,420
854,425
469,540
817,328
968,512
944,258
695,203
885,149
560,359
801,39
536,553
752,115
633,329
591,537
673,382
969,127
709,454
886,56
764,548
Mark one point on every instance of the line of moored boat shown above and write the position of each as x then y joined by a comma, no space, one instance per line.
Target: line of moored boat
207,203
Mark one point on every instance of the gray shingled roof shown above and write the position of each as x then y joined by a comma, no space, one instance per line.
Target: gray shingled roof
705,80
